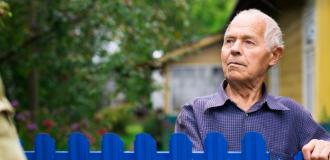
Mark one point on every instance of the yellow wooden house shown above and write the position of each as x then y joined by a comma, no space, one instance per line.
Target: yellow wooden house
303,73
190,71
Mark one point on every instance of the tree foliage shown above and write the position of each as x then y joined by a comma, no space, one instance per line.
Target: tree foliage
48,49
4,11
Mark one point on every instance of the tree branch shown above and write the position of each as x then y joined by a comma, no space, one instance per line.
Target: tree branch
11,54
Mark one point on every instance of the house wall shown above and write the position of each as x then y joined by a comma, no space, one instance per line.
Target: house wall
291,76
208,56
322,58
290,73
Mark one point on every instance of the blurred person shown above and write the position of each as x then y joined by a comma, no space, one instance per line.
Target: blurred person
252,45
10,148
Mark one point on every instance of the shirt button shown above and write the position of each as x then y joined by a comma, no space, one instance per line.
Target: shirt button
246,114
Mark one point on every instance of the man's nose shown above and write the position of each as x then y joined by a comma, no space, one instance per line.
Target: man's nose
236,48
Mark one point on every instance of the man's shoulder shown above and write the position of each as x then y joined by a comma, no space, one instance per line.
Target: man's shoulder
199,103
290,103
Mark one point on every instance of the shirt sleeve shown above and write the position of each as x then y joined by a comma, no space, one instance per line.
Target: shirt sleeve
186,123
308,129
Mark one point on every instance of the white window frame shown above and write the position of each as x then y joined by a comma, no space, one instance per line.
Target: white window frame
274,84
308,57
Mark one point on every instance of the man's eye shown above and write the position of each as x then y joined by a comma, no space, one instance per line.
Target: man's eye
229,41
249,42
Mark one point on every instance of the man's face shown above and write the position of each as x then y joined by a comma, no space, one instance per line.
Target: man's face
244,55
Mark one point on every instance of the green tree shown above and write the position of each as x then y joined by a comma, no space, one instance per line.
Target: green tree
55,56
4,11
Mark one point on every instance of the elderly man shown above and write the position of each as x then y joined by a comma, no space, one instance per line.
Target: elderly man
10,148
253,44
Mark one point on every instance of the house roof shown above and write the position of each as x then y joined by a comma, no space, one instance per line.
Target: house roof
182,51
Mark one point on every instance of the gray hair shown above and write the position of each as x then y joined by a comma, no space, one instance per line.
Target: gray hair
273,34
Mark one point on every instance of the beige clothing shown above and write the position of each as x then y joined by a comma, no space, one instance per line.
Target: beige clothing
10,148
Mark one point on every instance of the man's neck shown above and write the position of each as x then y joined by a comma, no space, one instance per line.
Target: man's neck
244,94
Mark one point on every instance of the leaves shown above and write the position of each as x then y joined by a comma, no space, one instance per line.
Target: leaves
66,43
60,39
4,10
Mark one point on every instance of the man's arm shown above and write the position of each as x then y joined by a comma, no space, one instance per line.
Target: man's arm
318,148
314,138
186,123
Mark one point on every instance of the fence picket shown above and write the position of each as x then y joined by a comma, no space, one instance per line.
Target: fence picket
144,147
253,147
215,146
112,147
78,147
299,156
44,147
180,147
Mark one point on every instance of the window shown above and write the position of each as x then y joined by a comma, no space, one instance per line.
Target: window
190,81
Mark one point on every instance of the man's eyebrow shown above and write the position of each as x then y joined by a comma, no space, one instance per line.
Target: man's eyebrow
243,37
248,37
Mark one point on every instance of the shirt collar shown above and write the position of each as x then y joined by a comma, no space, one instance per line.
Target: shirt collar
275,104
221,97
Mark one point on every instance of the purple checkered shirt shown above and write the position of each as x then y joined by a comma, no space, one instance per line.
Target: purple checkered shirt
284,124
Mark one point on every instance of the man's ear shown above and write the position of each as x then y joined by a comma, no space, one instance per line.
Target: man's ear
276,55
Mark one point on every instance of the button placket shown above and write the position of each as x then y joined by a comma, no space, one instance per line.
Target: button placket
247,122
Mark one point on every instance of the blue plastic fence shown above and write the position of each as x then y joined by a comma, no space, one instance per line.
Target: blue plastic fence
253,147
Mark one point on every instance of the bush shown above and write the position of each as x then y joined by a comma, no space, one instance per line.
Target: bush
125,120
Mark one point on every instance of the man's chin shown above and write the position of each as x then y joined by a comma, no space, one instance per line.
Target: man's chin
235,78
